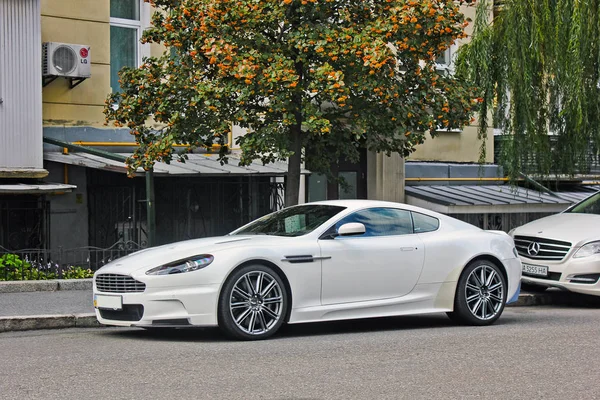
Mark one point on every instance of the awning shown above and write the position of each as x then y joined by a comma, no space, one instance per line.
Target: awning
37,188
578,193
473,199
197,164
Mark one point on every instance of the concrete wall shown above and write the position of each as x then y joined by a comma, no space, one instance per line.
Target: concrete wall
68,211
385,177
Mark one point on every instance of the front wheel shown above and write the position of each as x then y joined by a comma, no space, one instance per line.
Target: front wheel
480,294
253,303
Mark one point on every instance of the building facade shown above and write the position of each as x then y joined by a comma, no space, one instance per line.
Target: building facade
107,209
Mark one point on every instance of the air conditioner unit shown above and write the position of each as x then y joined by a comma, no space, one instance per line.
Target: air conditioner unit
66,60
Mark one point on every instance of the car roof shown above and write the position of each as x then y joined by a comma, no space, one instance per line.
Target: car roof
358,204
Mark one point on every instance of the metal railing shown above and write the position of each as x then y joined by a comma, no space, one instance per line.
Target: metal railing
589,165
54,263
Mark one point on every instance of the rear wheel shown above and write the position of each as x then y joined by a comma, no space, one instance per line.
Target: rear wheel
480,294
253,303
529,287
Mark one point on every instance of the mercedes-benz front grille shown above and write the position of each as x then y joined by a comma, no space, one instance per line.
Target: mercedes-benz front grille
114,283
541,249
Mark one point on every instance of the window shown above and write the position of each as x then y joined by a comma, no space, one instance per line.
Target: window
125,34
380,221
444,59
424,223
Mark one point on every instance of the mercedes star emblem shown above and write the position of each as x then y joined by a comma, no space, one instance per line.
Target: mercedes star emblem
533,248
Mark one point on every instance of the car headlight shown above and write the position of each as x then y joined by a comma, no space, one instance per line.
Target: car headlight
588,249
187,265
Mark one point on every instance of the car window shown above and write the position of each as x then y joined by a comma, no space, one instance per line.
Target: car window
291,221
591,205
380,221
424,223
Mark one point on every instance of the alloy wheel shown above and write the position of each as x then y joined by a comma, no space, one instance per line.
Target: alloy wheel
484,292
256,302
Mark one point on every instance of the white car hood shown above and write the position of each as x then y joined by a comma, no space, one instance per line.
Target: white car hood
569,227
155,256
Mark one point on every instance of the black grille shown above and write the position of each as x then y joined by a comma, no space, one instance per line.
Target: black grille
552,250
130,312
552,276
114,283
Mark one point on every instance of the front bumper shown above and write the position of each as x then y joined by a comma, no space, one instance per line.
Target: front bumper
513,269
563,274
165,306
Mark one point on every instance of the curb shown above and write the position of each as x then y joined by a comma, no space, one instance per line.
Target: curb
8,324
46,286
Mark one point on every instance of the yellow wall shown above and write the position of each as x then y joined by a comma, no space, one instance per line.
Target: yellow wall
79,22
452,146
455,147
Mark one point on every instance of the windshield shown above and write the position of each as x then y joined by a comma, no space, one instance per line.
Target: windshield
590,205
292,221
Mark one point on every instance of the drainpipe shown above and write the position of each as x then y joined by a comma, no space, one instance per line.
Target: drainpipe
150,208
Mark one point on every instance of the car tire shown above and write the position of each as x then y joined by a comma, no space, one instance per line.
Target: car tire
531,288
476,302
253,303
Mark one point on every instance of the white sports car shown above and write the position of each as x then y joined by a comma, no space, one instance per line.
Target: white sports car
319,261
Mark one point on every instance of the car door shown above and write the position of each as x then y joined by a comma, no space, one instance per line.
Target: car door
384,262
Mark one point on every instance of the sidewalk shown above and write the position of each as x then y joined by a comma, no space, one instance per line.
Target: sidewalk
46,305
68,303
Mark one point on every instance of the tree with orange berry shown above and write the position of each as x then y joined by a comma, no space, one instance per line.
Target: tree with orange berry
311,80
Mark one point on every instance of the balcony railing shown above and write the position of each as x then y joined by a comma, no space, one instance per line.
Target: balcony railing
590,165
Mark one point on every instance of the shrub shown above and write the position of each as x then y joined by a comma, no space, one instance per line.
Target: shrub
13,268
77,273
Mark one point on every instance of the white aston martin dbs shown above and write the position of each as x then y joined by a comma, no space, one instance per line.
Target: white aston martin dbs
319,261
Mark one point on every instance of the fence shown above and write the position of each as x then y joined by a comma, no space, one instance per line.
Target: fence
43,263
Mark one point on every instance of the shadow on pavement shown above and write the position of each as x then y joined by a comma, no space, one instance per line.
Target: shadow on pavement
433,321
565,299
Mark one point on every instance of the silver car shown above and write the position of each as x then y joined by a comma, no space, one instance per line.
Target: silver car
562,250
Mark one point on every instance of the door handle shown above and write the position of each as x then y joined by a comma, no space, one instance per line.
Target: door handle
407,248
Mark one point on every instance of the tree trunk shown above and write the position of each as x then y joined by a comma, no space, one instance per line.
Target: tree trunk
292,185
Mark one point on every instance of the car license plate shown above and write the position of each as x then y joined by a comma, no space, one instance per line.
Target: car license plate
108,302
538,270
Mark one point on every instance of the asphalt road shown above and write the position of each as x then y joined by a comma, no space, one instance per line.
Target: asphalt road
531,353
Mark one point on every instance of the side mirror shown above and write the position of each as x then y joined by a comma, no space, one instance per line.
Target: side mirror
351,229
